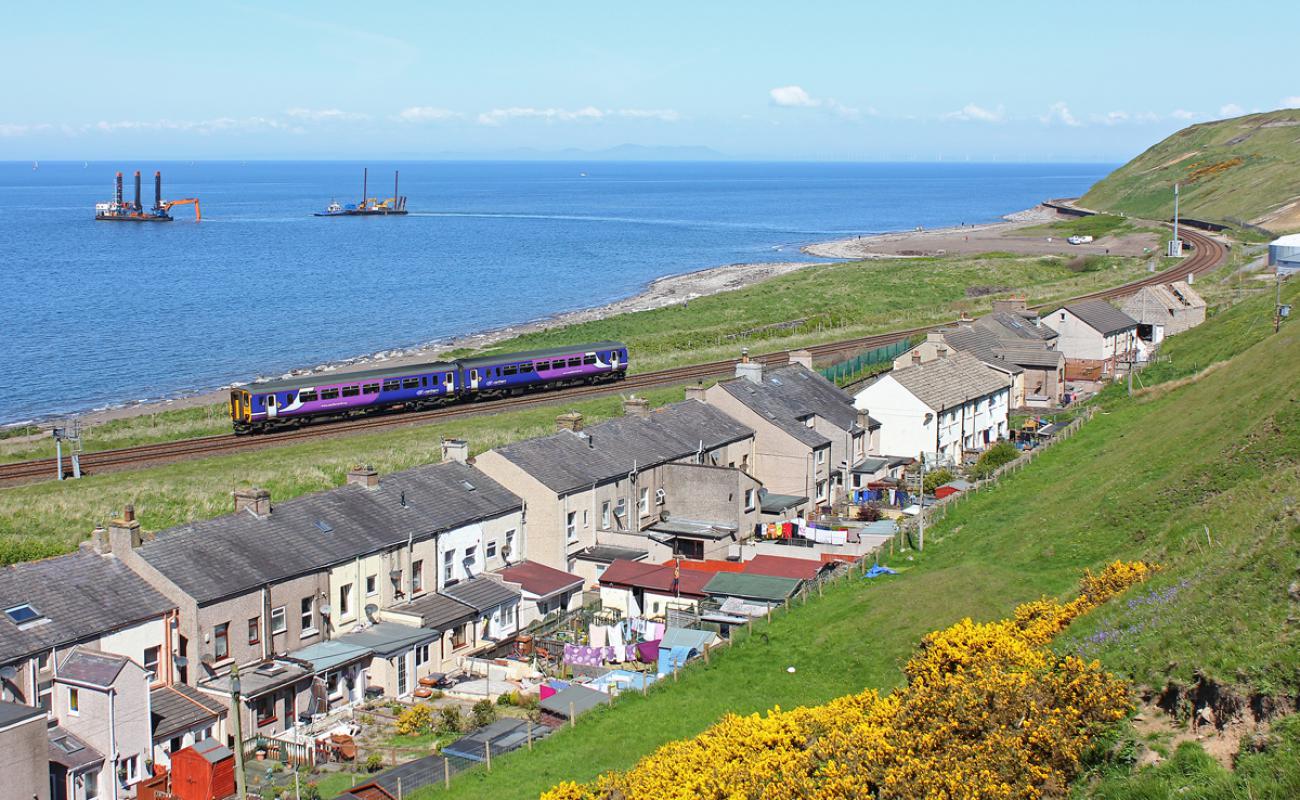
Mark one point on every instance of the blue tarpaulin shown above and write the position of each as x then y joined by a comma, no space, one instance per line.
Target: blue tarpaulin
876,571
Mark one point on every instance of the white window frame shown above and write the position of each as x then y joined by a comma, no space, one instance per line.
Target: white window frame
750,496
74,701
643,501
307,616
417,576
132,763
346,609
820,456
490,549
605,513
372,585
571,527
448,564
279,611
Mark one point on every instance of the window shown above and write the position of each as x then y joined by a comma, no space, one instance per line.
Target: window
307,615
372,585
307,396
589,360
401,675
411,383
92,783
620,511
277,620
571,526
221,641
600,570
370,388
459,635
821,491
351,391
604,515
74,702
131,766
151,658
254,630
471,555
448,565
43,661
392,385
421,655
644,502
345,601
524,369
510,370
749,499
21,615
821,456
576,361
541,365
509,549
417,577
490,549
329,394
264,710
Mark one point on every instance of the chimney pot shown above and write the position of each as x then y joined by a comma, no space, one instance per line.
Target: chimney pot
569,421
803,357
363,475
634,406
455,450
744,355
254,499
916,356
696,392
941,351
123,534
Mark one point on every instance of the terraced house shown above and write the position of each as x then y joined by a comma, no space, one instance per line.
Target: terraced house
312,598
628,483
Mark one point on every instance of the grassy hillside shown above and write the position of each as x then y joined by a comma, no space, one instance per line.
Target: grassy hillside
819,304
1214,442
1246,168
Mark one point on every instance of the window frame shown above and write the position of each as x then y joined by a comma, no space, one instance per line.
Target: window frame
157,658
571,527
284,620
643,501
221,641
307,616
255,630
372,585
74,701
346,610
417,576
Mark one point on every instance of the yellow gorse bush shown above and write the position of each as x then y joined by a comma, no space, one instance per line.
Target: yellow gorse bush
988,712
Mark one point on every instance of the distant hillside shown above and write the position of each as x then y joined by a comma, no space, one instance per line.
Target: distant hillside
1240,169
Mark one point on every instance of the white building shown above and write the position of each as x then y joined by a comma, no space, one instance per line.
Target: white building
1284,254
1094,330
944,406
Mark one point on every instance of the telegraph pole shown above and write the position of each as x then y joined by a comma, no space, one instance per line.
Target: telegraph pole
920,516
235,702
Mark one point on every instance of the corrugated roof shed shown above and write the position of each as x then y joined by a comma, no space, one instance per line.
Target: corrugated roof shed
75,597
568,461
482,593
789,395
576,697
1101,316
948,382
178,708
751,586
229,555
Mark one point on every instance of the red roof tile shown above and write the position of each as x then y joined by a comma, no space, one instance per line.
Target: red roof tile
655,578
540,579
784,567
708,565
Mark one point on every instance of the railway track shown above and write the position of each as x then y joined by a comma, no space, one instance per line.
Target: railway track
1206,256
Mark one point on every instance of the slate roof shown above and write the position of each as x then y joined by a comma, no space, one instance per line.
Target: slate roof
789,395
567,461
608,553
1101,316
14,713
79,596
539,579
947,382
91,668
437,611
752,586
980,343
68,751
482,593
1012,327
258,680
179,707
654,578
229,555
1030,356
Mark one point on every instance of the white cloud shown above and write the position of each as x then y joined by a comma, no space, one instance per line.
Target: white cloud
324,114
497,116
427,114
1060,112
1231,110
1184,114
1291,102
1113,118
11,130
661,114
973,113
792,97
197,126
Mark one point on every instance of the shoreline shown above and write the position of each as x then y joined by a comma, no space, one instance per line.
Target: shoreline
658,293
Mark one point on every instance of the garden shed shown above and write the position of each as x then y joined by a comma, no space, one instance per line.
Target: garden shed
203,771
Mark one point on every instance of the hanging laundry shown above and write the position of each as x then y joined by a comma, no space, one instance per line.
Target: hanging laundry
598,635
615,636
648,651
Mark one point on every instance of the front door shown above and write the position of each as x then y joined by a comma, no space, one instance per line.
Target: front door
401,675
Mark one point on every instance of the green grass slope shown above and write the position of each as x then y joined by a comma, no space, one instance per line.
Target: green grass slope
1245,168
1215,443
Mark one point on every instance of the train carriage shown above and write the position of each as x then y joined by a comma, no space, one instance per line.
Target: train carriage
515,373
289,402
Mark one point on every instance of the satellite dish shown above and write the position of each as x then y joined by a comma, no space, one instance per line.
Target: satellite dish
8,672
180,661
371,611
325,609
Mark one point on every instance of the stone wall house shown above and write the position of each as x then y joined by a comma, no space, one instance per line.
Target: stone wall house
24,751
807,433
1164,310
605,485
1094,332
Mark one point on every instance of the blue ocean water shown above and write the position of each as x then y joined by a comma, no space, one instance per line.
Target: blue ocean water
96,313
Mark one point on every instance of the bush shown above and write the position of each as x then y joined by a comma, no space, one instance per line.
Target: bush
994,457
374,762
508,699
414,721
484,713
869,512
933,480
366,719
1086,264
311,792
449,720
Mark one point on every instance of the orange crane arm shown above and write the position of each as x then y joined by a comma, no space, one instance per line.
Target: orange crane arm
194,201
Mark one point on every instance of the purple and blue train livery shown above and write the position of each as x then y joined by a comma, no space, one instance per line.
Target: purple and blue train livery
312,398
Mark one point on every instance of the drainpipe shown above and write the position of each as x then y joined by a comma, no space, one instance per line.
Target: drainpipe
112,738
266,623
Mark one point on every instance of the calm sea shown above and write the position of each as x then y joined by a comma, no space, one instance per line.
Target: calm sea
96,313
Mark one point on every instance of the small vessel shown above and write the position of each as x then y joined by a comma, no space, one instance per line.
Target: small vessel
369,206
120,211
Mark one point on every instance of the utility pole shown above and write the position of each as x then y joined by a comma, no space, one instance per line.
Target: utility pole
1277,304
235,702
920,516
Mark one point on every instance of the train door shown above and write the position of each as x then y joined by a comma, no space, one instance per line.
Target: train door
449,382
473,378
270,406
613,359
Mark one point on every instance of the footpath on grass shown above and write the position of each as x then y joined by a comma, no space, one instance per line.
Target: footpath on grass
1131,484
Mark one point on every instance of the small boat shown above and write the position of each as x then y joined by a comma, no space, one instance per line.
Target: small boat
369,206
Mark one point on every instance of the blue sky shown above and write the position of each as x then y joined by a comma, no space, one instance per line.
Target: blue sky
774,80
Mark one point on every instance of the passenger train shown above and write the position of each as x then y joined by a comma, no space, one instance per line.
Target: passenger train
313,398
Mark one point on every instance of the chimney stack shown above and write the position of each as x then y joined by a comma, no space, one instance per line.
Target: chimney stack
941,351
255,500
696,392
634,406
934,337
864,419
569,421
916,357
455,450
363,475
99,540
124,533
803,357
751,371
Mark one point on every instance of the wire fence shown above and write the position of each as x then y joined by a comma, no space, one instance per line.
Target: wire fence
865,364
